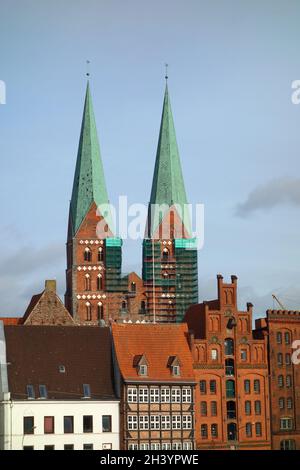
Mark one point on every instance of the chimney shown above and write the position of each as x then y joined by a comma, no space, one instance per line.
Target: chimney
50,285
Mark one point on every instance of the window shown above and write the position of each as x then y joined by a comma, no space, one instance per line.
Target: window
203,408
144,446
230,389
288,444
143,369
48,424
280,381
176,446
143,306
213,387
88,446
279,337
165,422
286,423
106,423
166,446
132,423
213,408
165,395
87,282
165,254
287,337
258,429
231,411
288,381
88,311
243,354
256,386
187,446
281,402
247,386
176,370
214,431
187,422
43,391
176,395
100,311
88,423
69,447
186,395
214,354
231,432
86,391
61,369
202,385
124,305
289,402
203,431
249,429
155,446
30,392
287,359
99,282
68,424
132,395
279,359
87,254
49,447
144,422
257,406
229,347
154,395
133,287
143,395
248,407
28,425
100,254
176,421
133,447
155,422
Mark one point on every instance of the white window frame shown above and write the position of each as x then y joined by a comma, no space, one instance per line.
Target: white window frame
132,423
145,446
176,395
143,369
154,395
144,422
187,446
214,354
132,395
154,422
133,447
155,446
176,446
288,423
187,395
176,421
143,395
165,395
176,371
186,421
165,422
166,446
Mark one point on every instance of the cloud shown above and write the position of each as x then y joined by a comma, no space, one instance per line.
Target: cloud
279,191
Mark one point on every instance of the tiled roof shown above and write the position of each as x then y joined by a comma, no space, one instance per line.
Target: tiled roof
34,354
157,343
12,320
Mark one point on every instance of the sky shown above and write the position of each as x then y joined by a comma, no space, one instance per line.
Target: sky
231,66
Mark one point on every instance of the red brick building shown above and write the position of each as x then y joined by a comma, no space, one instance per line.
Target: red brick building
283,329
231,368
155,381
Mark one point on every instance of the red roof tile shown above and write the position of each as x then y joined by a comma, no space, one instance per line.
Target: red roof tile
157,343
12,320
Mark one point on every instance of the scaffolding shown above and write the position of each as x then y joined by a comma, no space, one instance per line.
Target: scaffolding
115,282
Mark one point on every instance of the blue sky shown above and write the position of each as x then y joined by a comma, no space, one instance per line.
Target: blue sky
231,68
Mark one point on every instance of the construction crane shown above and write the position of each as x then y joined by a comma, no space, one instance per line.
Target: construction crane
278,301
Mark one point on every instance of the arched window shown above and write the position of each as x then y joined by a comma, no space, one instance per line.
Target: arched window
99,282
280,381
230,389
279,359
248,407
87,254
231,432
87,280
229,347
165,254
281,402
100,311
287,337
229,366
288,381
289,403
279,337
256,386
133,287
100,254
88,311
288,444
287,359
124,305
249,429
231,410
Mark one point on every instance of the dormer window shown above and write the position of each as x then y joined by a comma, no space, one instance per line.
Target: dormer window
143,369
176,370
86,391
43,392
30,392
141,364
174,365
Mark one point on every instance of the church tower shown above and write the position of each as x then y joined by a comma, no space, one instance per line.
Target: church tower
94,254
169,251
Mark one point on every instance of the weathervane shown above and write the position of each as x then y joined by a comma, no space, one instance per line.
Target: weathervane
87,68
166,76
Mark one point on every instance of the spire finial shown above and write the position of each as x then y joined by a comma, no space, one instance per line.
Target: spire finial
87,68
166,76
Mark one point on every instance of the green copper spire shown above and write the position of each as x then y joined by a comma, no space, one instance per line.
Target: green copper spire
168,185
89,182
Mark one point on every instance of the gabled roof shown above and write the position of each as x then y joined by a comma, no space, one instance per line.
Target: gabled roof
168,184
34,354
89,183
156,342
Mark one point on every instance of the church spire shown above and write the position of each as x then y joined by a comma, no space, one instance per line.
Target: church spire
167,185
89,182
